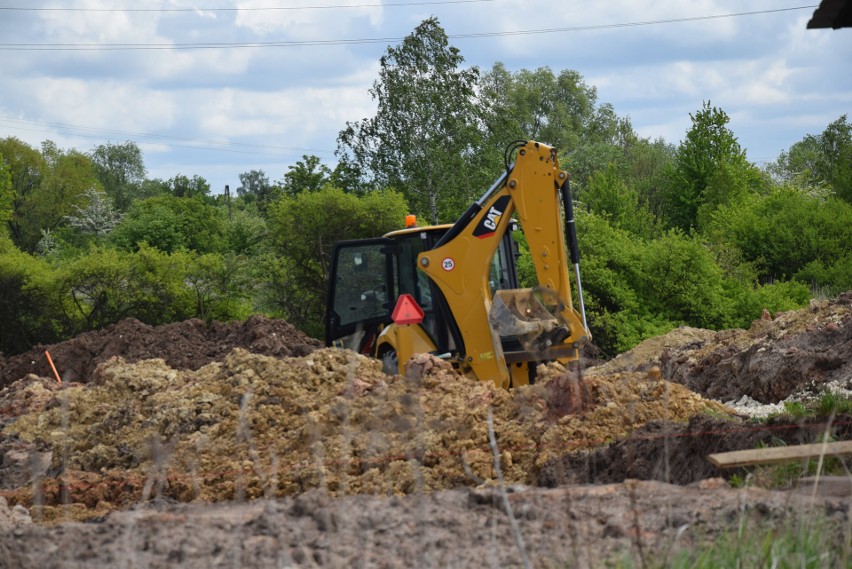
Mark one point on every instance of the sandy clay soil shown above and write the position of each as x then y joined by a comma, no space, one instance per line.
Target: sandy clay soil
249,445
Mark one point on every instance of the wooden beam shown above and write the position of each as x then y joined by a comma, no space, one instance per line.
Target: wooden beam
779,455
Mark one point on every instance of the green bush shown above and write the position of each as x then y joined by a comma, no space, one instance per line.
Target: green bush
158,286
27,308
41,304
790,234
681,281
105,286
303,230
221,286
639,288
170,224
748,301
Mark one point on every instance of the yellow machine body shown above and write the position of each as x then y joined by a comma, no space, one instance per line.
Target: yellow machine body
503,333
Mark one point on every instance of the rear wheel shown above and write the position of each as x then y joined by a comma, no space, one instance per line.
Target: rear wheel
390,362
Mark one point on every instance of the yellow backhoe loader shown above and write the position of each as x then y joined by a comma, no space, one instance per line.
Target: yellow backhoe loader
452,290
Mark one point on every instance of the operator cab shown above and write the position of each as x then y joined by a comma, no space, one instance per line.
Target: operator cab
368,275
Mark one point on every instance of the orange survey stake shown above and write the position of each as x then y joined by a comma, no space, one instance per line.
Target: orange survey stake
53,367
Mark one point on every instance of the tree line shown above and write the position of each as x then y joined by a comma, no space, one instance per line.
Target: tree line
670,234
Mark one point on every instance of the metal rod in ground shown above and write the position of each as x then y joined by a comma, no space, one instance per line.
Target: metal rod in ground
516,531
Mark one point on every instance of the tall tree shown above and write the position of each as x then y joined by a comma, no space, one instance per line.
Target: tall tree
46,185
836,157
822,160
120,169
648,162
556,109
185,187
709,150
256,188
26,168
425,129
7,195
306,175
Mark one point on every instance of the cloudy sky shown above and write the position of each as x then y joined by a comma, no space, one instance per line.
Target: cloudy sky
217,88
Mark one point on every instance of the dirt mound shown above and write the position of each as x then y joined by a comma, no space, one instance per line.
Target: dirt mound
647,353
797,352
183,345
676,453
253,426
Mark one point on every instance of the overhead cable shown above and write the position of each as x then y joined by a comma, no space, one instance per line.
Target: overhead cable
362,41
248,9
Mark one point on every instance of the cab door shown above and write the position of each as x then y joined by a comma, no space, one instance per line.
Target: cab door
362,290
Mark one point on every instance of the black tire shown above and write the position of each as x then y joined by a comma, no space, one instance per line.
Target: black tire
390,362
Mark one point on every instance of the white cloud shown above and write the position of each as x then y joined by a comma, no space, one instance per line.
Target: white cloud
775,79
196,65
99,27
293,114
306,23
104,105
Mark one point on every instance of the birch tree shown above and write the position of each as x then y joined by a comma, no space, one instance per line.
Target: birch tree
424,138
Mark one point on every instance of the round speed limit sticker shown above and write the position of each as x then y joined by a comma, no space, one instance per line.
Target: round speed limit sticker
448,264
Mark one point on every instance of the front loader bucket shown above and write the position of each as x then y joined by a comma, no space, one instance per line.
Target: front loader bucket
519,313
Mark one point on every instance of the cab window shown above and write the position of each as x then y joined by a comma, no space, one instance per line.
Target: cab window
361,291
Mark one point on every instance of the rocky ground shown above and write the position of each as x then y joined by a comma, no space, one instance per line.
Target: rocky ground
643,523
247,444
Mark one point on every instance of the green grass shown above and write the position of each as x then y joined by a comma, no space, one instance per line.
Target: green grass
831,403
796,409
826,404
789,545
784,476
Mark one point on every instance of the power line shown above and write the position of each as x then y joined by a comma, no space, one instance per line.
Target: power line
186,46
631,24
182,141
362,41
267,9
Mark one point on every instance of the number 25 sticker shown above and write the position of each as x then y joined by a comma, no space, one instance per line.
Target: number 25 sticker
448,264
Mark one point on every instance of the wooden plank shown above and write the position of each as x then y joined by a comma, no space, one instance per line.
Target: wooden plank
779,455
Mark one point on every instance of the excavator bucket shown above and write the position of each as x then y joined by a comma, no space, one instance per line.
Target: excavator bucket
519,313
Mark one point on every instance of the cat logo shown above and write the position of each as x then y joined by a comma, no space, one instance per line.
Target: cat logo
492,219
488,225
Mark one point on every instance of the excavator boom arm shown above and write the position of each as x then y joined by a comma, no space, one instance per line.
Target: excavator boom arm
459,264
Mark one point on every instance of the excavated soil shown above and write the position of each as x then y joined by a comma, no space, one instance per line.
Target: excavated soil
255,426
317,458
183,345
794,353
677,453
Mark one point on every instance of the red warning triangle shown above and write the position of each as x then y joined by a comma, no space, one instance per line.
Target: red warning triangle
407,311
